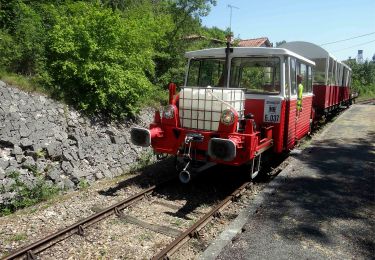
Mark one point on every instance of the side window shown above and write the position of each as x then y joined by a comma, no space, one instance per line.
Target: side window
336,72
320,71
346,78
293,80
343,72
333,74
330,72
303,72
287,76
309,79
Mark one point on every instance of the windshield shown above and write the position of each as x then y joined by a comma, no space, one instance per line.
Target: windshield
206,72
258,75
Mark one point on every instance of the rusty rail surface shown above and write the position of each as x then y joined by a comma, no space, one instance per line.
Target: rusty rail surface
193,231
30,251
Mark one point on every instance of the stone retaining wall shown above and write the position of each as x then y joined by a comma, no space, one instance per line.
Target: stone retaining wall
39,136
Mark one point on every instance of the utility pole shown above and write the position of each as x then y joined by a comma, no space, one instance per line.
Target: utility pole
230,19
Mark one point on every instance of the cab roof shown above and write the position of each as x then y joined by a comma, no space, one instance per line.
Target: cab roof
245,52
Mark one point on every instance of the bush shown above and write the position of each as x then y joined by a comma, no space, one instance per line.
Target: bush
27,196
30,36
9,51
363,78
98,61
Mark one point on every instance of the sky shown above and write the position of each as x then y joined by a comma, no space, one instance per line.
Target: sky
316,21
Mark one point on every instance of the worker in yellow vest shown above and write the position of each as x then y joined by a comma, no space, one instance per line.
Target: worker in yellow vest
300,91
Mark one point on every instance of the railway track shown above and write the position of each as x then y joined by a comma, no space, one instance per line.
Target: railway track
32,250
193,231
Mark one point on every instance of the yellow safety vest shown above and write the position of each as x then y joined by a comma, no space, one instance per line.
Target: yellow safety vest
299,97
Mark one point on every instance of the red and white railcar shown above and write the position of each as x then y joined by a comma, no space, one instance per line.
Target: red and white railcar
332,78
236,104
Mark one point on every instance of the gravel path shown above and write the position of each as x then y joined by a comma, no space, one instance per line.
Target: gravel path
325,208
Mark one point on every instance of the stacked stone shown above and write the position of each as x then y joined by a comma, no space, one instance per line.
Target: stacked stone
38,134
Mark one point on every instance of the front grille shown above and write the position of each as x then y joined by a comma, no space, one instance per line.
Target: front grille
200,108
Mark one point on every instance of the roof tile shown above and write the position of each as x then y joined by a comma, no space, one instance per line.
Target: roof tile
257,42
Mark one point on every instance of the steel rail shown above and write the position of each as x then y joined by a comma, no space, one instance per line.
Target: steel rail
193,231
79,227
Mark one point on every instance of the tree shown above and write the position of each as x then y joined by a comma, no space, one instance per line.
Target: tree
170,61
277,44
100,60
102,55
363,77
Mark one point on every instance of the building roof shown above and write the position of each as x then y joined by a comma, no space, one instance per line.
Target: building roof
257,42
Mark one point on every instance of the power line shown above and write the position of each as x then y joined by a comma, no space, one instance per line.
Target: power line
355,37
355,46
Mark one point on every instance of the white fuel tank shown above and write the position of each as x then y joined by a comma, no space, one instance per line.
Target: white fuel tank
201,108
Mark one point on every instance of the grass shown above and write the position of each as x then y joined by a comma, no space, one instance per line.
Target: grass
145,159
40,153
177,222
27,84
145,237
18,237
83,184
306,142
27,196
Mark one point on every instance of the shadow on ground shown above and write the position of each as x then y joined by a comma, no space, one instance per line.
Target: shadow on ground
331,201
207,188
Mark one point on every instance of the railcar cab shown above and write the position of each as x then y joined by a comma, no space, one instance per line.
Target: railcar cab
268,77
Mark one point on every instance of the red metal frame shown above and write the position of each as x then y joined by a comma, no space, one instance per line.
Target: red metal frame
167,136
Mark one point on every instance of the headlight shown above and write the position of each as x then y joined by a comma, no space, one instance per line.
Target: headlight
227,117
168,112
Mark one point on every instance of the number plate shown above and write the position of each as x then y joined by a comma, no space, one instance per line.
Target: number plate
272,108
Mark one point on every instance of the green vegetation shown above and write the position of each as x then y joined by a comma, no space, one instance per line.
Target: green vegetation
363,78
145,237
18,237
40,153
27,195
177,222
83,184
144,160
26,83
110,57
